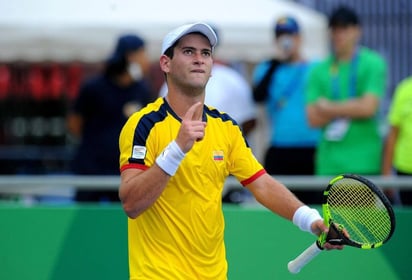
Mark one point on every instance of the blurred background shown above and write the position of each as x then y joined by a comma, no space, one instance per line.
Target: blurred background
47,48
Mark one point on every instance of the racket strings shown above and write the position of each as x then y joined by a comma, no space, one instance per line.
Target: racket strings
360,211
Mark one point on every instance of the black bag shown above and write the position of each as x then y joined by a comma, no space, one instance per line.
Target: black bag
260,91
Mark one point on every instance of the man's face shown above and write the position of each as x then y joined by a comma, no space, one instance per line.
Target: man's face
288,45
191,64
344,38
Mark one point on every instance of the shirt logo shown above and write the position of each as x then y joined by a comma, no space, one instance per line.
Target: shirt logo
218,155
139,152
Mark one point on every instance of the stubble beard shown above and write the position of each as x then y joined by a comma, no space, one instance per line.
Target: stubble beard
193,88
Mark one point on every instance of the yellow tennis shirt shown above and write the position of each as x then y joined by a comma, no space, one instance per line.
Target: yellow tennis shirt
181,235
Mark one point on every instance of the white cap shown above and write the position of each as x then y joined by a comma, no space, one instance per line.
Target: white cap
183,30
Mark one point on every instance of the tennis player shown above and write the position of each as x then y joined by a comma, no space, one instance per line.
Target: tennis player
175,155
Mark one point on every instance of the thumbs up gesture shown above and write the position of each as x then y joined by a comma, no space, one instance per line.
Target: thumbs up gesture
192,128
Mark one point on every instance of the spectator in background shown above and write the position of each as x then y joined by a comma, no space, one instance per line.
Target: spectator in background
398,148
280,84
228,91
344,92
102,107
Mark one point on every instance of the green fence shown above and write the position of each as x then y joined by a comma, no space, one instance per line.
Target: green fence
90,242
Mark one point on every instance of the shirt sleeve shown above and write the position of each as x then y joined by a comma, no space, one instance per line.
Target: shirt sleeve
375,76
314,84
244,166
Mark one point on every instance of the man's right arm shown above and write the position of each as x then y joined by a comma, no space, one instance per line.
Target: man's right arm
140,189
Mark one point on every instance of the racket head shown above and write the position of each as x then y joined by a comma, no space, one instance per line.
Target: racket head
357,212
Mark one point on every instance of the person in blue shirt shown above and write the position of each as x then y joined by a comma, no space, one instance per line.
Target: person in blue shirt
102,107
280,84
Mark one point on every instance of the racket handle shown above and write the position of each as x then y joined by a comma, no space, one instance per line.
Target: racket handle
306,256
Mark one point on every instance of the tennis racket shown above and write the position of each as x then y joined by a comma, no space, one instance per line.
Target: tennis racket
358,214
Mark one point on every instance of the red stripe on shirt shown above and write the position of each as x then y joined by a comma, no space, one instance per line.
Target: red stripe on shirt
253,178
134,165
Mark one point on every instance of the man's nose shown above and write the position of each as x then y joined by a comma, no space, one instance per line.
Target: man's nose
199,58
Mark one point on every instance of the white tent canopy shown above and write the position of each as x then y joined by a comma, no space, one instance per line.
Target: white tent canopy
86,30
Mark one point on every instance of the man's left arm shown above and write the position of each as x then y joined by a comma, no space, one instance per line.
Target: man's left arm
275,196
362,107
280,200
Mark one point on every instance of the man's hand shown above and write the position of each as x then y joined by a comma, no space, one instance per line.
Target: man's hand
325,107
192,128
318,227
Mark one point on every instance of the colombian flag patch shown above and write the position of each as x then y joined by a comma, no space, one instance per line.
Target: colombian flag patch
218,155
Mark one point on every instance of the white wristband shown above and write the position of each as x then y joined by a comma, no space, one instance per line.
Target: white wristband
304,217
169,160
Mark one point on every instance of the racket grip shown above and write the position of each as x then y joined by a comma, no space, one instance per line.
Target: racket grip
306,256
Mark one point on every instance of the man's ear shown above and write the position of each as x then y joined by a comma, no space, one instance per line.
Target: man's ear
164,63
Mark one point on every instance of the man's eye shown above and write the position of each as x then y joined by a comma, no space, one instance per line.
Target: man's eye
207,53
188,52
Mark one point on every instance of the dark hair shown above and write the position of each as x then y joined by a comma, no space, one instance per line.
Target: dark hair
171,50
343,16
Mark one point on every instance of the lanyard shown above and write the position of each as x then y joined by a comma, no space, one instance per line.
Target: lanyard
352,77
